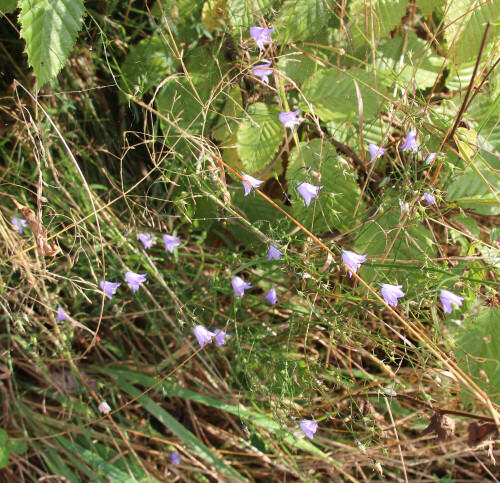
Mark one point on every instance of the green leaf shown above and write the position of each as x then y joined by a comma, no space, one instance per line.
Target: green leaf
427,6
478,352
259,136
7,6
244,14
333,94
336,202
17,446
298,66
4,456
466,22
49,28
3,437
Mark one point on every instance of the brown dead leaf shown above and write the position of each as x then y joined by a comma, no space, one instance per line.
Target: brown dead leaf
478,432
38,230
442,425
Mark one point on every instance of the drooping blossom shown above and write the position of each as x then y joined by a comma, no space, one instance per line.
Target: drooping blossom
392,293
134,279
261,36
448,298
104,408
20,223
61,315
308,191
109,288
352,261
430,158
430,198
263,71
271,297
239,286
203,335
146,239
175,458
410,141
308,427
289,119
171,242
273,253
375,151
221,336
254,183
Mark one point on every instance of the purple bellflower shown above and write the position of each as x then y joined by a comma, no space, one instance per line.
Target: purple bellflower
448,298
109,288
104,408
134,279
19,223
261,36
273,253
263,71
391,293
375,151
175,458
221,336
254,183
430,198
239,286
271,297
308,191
289,119
410,141
171,242
352,261
203,335
308,427
61,315
430,158
146,239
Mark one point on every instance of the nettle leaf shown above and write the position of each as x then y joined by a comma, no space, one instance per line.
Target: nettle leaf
469,19
244,14
408,57
386,239
333,94
334,208
478,352
260,136
302,19
49,28
382,15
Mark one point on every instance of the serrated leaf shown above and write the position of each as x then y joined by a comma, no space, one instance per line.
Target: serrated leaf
244,14
50,28
336,203
478,352
7,6
427,6
259,136
333,94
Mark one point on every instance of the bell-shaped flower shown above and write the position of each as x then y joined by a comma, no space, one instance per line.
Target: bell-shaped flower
104,408
263,71
410,141
308,191
391,293
308,427
221,336
134,279
203,335
19,223
109,288
239,286
175,458
375,151
430,198
430,158
171,242
273,253
289,119
448,298
261,36
250,183
352,261
61,315
146,239
271,297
